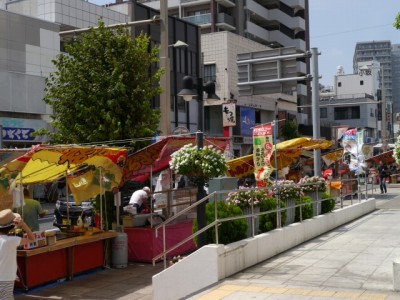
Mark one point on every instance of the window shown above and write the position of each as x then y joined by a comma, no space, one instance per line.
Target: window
339,84
361,82
210,72
323,113
347,113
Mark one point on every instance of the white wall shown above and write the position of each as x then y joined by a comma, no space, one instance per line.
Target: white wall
213,263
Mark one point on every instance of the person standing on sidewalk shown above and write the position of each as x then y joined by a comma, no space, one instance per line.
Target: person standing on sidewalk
8,250
383,173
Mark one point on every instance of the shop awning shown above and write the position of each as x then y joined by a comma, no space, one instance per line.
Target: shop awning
288,152
156,157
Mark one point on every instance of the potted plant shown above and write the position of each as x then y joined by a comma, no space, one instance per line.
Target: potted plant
249,201
288,191
314,187
204,163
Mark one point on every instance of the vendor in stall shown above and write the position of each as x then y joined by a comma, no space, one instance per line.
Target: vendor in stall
139,199
31,211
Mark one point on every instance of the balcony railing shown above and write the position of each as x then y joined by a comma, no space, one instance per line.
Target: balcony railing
199,19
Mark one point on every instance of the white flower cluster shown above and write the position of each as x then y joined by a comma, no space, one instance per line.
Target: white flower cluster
207,162
396,150
313,184
287,189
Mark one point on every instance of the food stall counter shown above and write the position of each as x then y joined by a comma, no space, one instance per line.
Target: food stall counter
66,257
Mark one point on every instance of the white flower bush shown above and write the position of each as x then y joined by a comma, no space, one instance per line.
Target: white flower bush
396,150
287,190
206,163
313,184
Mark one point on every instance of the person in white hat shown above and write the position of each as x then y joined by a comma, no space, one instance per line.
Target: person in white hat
139,199
8,250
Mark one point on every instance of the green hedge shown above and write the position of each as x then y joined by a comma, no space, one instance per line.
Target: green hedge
306,209
228,232
327,205
267,222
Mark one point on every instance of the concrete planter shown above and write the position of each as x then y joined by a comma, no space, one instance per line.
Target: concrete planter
247,211
315,196
290,212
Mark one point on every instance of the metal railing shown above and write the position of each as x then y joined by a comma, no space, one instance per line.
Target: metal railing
351,191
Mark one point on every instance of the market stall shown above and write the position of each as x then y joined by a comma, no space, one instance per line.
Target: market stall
88,171
144,244
62,260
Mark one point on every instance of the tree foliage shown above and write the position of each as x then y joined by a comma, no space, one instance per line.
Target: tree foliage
102,89
397,21
289,130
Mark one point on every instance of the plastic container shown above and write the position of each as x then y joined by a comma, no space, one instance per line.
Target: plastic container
119,251
128,221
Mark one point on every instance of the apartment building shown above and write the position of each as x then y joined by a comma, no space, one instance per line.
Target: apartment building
380,51
273,23
396,87
63,15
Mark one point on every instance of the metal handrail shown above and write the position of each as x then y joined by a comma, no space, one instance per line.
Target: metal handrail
253,215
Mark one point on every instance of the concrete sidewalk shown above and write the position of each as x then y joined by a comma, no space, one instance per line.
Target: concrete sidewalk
354,261
351,262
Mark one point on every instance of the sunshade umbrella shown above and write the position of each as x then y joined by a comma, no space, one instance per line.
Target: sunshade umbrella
288,152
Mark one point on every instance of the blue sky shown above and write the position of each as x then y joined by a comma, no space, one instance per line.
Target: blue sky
337,25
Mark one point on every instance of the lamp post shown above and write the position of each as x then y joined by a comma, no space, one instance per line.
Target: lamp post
188,93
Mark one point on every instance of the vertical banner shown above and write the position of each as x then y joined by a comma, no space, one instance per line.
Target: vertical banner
262,152
228,114
247,120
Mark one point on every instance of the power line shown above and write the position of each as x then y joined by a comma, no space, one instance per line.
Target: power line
349,31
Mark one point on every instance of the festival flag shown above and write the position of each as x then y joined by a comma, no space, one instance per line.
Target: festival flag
262,152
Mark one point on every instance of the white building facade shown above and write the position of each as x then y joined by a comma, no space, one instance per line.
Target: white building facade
354,100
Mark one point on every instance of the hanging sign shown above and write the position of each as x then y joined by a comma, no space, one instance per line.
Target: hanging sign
228,114
262,152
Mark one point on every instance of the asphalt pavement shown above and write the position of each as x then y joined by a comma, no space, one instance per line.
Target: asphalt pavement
354,261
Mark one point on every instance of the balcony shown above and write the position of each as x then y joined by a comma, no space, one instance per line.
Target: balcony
295,3
188,3
200,20
226,3
225,22
261,15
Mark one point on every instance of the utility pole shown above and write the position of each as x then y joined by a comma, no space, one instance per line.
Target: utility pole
383,109
315,109
165,97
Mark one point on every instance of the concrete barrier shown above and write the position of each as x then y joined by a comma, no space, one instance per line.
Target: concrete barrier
213,263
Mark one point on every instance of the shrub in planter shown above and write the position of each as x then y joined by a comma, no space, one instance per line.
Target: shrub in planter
327,205
312,184
267,222
228,232
245,197
306,208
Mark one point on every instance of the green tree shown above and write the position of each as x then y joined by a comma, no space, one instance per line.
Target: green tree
103,87
397,21
289,130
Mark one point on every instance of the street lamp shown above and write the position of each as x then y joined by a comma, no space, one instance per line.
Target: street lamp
187,93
